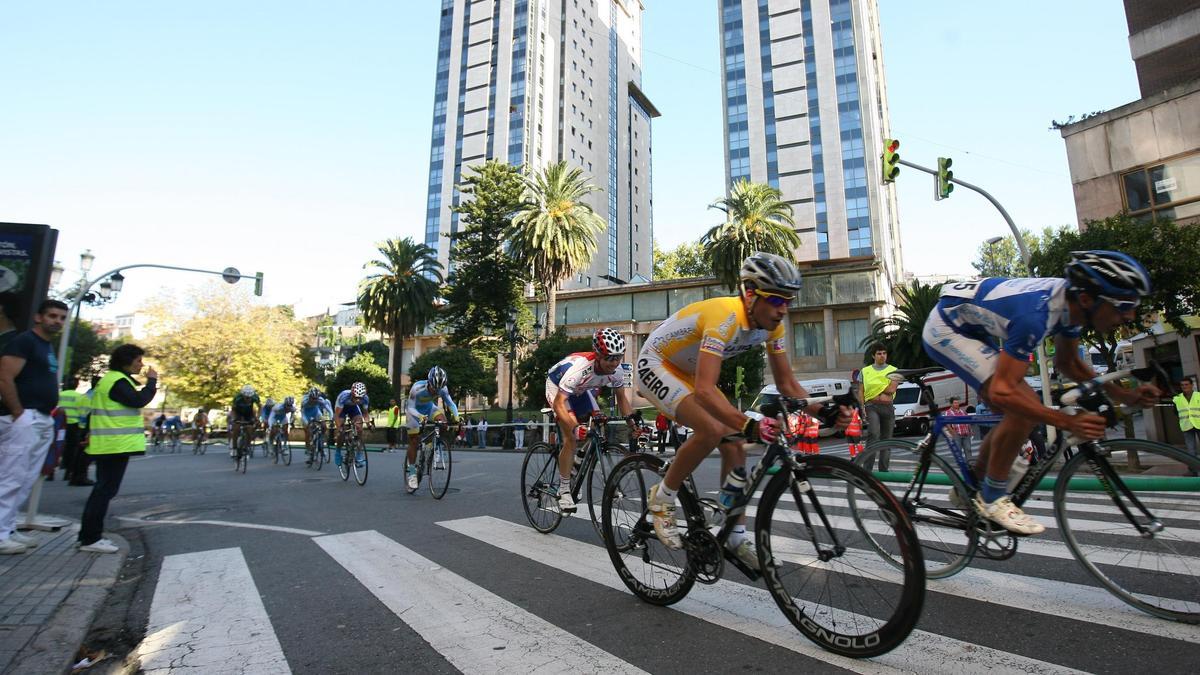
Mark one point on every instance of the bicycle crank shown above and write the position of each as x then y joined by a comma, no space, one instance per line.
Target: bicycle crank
995,542
704,555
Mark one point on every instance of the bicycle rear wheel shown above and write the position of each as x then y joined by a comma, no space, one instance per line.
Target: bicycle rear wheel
1136,481
606,458
946,530
360,457
656,574
539,482
818,566
439,469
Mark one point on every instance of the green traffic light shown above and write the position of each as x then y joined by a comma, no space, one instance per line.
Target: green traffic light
945,177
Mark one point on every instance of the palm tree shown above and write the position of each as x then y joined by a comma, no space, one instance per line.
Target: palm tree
901,332
555,231
398,297
756,219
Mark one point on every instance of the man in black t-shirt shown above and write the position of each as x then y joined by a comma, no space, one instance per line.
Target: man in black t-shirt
28,392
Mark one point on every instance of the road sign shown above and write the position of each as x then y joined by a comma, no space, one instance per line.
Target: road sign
231,275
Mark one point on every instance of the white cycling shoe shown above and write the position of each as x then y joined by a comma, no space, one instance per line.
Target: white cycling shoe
663,513
1008,515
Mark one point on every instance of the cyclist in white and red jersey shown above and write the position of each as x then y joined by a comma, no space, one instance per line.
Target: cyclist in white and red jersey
569,387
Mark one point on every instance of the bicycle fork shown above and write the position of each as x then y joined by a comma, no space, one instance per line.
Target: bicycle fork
1106,475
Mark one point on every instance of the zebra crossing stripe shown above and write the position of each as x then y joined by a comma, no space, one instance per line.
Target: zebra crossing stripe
207,616
750,610
474,629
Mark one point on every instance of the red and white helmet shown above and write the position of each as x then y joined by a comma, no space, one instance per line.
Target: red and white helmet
608,342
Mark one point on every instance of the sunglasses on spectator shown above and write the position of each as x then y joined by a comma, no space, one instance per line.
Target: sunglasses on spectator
1121,304
774,299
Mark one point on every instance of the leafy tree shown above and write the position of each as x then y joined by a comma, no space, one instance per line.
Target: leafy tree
685,261
901,332
531,370
554,233
1003,259
87,355
362,368
225,343
376,349
398,297
753,365
465,373
756,219
1160,245
485,285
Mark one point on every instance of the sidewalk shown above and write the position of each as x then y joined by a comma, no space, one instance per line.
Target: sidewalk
48,599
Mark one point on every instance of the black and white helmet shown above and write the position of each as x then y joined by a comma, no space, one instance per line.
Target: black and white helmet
771,273
608,342
1108,273
358,389
436,379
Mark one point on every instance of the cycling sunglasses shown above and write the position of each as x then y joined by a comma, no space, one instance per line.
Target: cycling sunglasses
1121,304
615,358
774,299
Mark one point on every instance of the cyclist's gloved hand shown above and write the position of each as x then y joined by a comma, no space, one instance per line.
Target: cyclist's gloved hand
635,419
765,430
580,432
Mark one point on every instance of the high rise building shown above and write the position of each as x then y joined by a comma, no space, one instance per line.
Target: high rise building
533,82
806,112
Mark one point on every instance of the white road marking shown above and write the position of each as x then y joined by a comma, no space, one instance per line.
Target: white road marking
224,523
207,617
750,610
474,629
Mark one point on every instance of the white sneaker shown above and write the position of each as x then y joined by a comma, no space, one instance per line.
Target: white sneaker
100,546
664,520
10,547
745,552
566,502
412,482
1008,515
26,540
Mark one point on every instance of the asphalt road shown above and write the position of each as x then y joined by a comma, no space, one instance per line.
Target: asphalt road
296,570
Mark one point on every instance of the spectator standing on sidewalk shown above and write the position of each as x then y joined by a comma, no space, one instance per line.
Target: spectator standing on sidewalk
483,425
73,405
393,423
519,432
1187,404
28,392
116,434
875,392
662,425
963,434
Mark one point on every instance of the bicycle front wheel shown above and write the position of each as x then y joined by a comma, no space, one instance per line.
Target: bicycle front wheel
319,451
439,470
359,461
606,459
820,569
286,450
347,459
539,487
1099,506
655,573
937,506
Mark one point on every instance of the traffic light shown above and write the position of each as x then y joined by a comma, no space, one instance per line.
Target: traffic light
891,159
258,284
944,178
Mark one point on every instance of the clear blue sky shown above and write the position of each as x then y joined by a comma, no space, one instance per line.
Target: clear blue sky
288,137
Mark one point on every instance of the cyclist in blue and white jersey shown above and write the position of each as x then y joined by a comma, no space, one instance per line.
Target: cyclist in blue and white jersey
282,414
422,398
570,384
264,416
352,404
313,406
984,332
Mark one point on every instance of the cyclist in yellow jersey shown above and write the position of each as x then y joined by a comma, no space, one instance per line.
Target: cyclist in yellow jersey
678,368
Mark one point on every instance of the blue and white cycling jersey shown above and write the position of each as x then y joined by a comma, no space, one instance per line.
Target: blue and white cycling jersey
421,402
1012,314
975,320
282,414
315,407
349,408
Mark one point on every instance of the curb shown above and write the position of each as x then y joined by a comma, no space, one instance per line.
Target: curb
53,649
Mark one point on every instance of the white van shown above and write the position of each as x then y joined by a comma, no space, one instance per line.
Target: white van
1123,357
912,409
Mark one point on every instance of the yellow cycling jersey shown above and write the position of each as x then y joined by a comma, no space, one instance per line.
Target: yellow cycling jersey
718,326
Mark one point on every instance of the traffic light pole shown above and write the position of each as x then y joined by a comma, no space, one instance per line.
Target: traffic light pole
1041,349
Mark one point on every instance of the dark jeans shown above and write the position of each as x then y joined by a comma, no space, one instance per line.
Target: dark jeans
74,459
391,436
881,422
110,470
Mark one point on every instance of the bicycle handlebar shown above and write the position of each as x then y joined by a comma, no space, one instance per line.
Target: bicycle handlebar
1152,372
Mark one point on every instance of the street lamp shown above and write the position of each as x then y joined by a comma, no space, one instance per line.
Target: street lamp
117,281
510,325
85,261
56,273
993,241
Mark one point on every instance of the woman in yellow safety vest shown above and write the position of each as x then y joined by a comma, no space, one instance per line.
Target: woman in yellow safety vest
116,431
